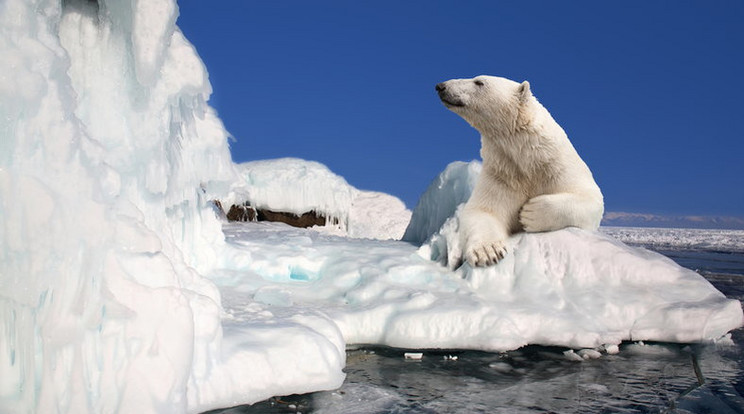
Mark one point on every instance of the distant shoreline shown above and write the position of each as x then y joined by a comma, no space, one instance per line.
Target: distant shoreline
623,219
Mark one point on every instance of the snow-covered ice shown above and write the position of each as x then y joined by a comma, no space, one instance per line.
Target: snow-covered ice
685,239
297,186
121,291
570,288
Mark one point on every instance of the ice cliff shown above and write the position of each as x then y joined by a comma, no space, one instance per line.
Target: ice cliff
108,155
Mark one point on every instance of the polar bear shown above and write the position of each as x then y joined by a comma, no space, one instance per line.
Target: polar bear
532,177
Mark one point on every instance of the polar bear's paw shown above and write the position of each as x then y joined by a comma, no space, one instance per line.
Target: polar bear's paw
485,254
544,213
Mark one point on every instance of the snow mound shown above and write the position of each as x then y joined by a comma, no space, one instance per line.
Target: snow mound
297,186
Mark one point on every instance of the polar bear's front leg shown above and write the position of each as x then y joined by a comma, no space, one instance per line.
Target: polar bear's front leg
550,212
489,217
483,237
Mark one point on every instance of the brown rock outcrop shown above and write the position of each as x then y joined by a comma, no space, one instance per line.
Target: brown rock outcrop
241,212
246,212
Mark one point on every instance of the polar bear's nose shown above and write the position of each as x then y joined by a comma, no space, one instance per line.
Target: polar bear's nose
440,87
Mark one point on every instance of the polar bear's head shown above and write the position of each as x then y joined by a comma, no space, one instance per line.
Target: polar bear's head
487,102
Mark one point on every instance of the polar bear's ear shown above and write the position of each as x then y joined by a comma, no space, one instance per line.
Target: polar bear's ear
523,91
524,116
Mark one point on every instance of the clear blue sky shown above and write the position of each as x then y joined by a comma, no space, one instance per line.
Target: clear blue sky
651,93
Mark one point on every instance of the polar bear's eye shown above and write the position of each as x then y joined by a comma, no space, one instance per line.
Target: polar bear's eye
479,82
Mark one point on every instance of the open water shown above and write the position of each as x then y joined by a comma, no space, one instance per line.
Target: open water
641,378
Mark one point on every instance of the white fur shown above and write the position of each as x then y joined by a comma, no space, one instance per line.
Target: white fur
532,177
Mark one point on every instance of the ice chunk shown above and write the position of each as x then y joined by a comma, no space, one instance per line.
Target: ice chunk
572,356
451,188
589,353
611,349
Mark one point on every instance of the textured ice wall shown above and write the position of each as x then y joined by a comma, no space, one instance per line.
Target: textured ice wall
108,155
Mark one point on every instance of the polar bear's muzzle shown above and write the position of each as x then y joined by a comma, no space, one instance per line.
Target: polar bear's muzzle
448,98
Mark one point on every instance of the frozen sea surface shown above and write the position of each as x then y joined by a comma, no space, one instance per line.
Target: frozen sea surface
700,240
641,378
